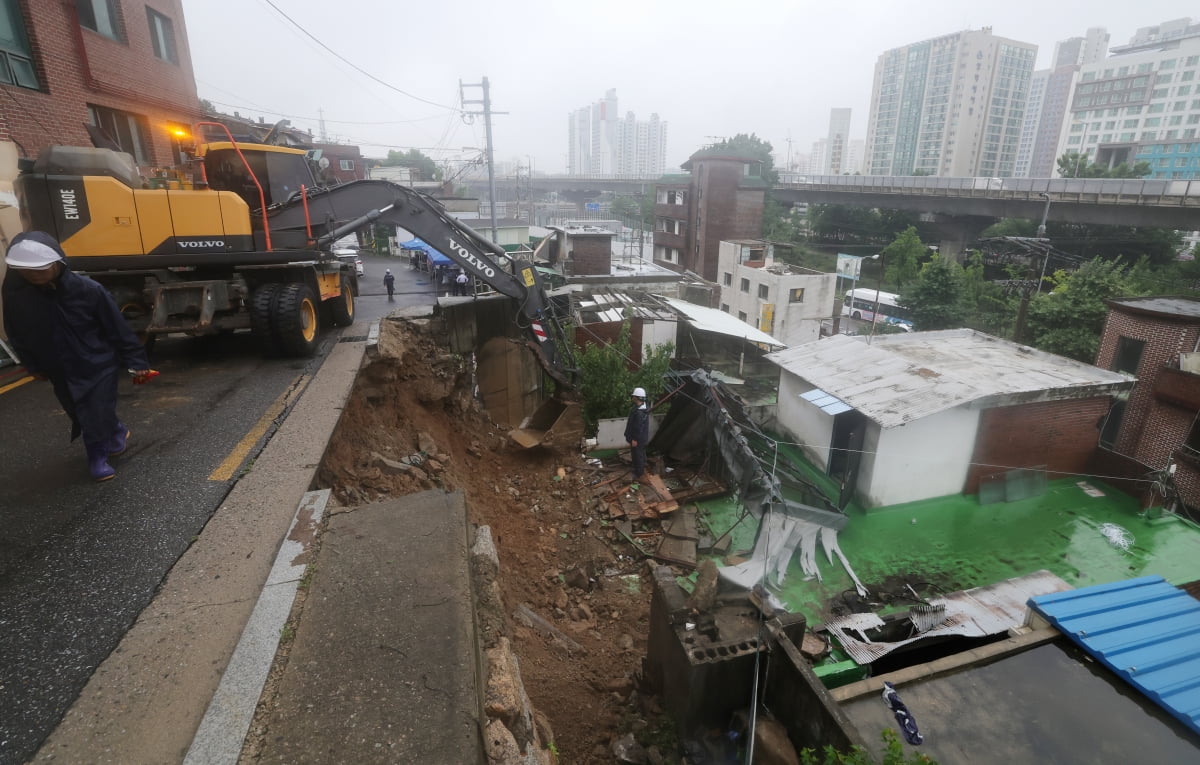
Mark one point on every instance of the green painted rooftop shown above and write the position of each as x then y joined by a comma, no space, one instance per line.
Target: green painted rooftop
954,543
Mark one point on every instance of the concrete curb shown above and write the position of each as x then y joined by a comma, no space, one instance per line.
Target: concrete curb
222,732
145,702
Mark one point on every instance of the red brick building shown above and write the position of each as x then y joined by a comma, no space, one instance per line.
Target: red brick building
1157,339
120,65
722,199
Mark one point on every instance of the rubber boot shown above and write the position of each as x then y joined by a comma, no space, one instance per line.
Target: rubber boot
98,463
119,442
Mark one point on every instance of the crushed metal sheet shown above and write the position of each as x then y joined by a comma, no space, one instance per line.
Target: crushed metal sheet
978,612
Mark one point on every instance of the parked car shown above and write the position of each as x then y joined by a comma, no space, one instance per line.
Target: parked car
350,257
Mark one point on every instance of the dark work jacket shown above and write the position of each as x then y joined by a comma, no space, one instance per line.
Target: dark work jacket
637,426
69,331
388,280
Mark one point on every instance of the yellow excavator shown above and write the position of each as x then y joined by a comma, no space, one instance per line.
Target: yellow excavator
241,236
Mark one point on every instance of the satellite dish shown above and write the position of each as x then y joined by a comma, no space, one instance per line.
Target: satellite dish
323,163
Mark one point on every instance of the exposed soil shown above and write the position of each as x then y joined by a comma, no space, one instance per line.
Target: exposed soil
567,567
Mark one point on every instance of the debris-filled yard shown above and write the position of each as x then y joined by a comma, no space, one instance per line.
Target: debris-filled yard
576,592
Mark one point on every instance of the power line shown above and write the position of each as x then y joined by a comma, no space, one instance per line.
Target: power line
272,112
354,66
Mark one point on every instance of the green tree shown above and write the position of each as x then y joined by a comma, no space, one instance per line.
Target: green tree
902,258
989,308
1075,165
625,208
935,300
843,223
779,223
1069,319
606,376
426,168
752,146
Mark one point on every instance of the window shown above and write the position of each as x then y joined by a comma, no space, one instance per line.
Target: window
741,315
727,280
125,129
162,36
16,64
99,16
1129,355
346,164
725,307
745,285
762,291
796,295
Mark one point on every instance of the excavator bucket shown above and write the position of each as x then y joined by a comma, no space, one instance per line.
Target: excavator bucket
554,422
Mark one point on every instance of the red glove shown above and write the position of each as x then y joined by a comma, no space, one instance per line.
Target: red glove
143,376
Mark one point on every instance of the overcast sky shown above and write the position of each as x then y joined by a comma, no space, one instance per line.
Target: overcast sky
708,69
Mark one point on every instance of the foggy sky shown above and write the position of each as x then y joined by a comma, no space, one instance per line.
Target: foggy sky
708,69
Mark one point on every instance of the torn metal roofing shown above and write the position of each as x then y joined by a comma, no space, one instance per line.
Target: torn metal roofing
1143,629
712,320
900,378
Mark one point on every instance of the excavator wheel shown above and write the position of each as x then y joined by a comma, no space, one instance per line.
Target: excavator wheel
341,308
296,319
133,308
262,324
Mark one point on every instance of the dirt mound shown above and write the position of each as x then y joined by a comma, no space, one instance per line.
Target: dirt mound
412,424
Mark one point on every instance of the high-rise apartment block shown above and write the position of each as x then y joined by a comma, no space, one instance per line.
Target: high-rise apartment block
1141,104
600,142
1049,94
952,105
838,141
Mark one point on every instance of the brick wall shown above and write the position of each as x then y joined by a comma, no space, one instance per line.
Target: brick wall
1062,435
726,211
592,255
1151,429
77,67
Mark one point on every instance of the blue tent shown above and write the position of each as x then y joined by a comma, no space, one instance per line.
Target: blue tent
435,257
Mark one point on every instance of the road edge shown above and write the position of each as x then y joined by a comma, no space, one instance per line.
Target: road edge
145,702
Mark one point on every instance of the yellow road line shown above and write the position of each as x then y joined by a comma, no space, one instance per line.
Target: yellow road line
231,463
17,384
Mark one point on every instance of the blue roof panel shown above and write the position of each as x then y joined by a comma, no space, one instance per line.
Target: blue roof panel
1144,629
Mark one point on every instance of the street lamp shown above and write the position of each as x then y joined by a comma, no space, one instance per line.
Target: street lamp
1041,235
878,286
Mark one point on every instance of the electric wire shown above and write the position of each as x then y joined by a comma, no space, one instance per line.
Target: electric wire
275,113
354,66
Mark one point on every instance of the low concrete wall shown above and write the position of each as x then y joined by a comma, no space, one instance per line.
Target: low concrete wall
610,433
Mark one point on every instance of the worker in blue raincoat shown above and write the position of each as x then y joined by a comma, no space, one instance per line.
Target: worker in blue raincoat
67,329
637,431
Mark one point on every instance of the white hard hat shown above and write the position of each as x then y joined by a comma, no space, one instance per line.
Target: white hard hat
32,254
387,270
639,392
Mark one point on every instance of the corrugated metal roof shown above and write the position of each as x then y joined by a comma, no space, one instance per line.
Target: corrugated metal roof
712,320
901,378
1145,630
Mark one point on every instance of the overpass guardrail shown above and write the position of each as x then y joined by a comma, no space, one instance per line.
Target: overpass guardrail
1088,190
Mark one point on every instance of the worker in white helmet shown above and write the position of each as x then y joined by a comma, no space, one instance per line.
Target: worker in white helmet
637,431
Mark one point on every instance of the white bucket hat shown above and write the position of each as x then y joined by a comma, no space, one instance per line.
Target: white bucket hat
32,255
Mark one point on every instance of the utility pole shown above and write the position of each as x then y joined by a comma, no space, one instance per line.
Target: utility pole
487,123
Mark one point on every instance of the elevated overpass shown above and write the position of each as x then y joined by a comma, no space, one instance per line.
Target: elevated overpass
961,207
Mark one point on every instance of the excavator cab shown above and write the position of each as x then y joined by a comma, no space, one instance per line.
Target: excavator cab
281,171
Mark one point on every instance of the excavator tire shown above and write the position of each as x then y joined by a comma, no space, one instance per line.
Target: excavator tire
262,324
341,308
295,315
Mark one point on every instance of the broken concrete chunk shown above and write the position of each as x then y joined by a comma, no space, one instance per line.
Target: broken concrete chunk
390,467
505,698
426,443
500,746
627,750
705,593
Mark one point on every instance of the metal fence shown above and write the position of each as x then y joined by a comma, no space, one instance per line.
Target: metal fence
1092,190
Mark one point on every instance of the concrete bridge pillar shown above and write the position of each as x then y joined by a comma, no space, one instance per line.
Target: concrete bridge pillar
957,232
580,198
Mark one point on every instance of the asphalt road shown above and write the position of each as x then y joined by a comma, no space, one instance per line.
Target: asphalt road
79,560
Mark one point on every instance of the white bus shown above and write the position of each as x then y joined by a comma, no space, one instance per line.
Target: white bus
860,304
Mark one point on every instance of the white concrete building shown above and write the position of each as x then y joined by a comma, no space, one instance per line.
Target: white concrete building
1049,95
952,105
1142,103
787,302
838,142
579,141
918,410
